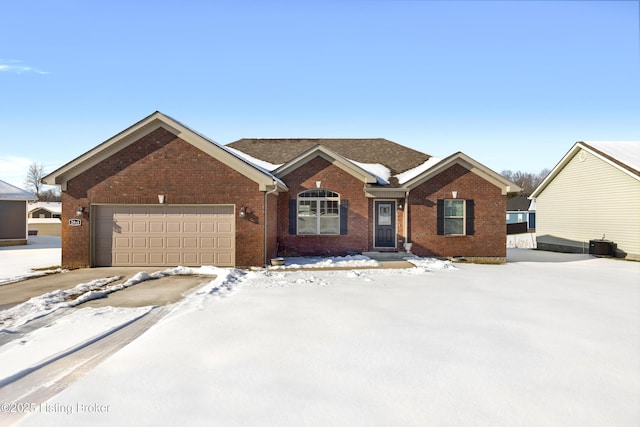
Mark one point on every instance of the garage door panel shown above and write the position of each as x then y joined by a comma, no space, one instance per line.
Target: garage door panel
140,258
190,227
138,226
156,258
190,242
173,259
164,235
174,227
122,242
156,243
224,227
207,227
156,227
224,243
122,258
173,243
224,259
140,242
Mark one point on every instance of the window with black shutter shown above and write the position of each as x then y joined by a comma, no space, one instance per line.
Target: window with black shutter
455,217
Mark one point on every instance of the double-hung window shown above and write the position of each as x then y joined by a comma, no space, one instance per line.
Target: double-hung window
454,216
318,212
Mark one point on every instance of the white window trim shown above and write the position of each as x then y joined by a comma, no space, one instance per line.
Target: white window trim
318,215
463,217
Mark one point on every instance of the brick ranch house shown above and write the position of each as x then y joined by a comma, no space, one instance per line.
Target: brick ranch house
160,194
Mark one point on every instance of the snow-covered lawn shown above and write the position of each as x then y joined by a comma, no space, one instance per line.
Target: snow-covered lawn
18,262
554,341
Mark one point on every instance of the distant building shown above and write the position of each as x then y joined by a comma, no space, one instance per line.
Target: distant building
521,210
13,214
44,218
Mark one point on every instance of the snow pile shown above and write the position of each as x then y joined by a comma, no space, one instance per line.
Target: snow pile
281,279
330,262
431,264
48,303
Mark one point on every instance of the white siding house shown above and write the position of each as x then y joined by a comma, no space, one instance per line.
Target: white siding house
592,194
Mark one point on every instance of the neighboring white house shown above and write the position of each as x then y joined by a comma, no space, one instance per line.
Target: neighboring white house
591,198
44,218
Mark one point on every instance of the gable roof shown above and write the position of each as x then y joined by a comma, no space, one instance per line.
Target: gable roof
622,155
150,123
332,157
470,164
11,192
397,158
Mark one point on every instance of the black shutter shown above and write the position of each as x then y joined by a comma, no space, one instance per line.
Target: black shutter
293,216
440,217
470,230
344,217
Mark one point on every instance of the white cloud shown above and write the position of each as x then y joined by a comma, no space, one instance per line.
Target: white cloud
17,67
14,170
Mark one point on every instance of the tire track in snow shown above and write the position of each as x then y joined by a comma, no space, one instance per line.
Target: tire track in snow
40,383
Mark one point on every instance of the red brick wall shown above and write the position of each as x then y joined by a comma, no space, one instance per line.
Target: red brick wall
272,226
489,239
162,163
334,179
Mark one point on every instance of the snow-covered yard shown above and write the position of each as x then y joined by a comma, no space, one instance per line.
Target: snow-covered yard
547,339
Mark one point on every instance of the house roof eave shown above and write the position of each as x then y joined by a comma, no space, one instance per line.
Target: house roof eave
472,165
143,127
575,149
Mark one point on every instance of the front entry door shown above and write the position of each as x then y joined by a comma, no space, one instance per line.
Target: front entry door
385,224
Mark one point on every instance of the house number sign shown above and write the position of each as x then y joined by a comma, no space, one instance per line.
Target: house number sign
75,222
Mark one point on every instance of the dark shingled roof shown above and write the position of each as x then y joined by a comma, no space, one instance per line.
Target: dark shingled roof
396,157
518,203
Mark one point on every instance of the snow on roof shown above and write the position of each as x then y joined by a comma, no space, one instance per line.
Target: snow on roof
412,173
261,164
11,192
627,152
53,207
381,172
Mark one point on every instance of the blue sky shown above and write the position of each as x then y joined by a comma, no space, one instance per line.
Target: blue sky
512,84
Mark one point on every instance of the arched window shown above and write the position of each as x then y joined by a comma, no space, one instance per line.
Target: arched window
318,212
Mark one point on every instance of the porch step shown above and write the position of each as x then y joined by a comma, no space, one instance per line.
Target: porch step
388,256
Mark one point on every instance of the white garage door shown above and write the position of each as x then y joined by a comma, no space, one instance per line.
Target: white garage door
161,235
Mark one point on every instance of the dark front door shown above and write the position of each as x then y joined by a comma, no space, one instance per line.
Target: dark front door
385,224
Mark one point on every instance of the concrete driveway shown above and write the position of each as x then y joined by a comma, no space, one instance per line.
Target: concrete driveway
161,291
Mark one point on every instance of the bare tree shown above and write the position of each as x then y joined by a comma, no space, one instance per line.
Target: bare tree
50,195
35,173
526,180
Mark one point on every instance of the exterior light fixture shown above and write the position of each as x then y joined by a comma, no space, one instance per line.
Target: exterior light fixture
79,211
243,212
400,205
